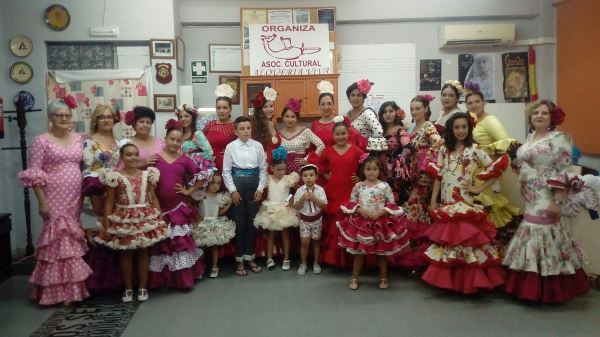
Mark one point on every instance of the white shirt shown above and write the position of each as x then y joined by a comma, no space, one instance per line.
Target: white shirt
443,119
244,155
309,208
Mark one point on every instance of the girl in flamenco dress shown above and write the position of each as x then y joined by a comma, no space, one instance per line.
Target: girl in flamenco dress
463,256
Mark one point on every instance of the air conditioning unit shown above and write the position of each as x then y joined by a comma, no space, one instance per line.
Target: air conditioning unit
487,34
104,31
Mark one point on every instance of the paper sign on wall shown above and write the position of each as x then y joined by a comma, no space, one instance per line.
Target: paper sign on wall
282,50
199,71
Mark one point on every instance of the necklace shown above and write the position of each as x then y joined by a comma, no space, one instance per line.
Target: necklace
458,161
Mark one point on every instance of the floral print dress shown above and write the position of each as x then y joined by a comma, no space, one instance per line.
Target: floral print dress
545,263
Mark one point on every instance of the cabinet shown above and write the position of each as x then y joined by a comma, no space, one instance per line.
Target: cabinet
300,87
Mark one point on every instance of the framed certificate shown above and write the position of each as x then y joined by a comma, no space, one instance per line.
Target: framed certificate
225,58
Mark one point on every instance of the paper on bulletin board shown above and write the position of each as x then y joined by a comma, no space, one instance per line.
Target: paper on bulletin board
301,16
280,17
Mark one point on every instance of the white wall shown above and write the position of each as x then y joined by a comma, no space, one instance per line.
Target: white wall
153,19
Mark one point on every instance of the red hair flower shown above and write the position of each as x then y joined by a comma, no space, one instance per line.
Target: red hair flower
173,124
130,118
428,98
70,101
293,104
259,101
558,115
363,157
364,86
400,113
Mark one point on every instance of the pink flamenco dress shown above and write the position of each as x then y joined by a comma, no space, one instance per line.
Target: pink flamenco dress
134,223
60,272
464,256
385,235
176,262
544,262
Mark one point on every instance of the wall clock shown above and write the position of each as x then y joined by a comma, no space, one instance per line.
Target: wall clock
21,72
21,45
57,17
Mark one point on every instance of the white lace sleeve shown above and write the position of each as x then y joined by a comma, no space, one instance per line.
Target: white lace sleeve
109,178
153,175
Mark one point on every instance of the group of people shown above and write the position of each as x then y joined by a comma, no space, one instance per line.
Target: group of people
363,189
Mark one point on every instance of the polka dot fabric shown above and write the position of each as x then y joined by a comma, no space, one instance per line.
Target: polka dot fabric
60,271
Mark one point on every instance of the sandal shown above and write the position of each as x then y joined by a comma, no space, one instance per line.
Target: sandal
214,273
240,270
353,284
383,283
254,267
270,264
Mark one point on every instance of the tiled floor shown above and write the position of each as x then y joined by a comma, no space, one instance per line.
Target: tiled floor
281,304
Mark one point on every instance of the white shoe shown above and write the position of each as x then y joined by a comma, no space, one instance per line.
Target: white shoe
142,295
302,270
286,265
270,264
127,296
316,268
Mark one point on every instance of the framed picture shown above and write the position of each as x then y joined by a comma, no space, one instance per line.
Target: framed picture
224,58
234,82
180,54
162,49
165,103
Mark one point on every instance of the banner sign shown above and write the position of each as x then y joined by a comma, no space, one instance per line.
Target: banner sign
284,50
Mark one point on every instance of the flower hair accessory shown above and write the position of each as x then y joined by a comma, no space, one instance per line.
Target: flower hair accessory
293,104
280,153
173,124
558,115
400,113
123,142
270,94
70,101
187,108
456,84
130,118
342,119
259,101
224,90
364,86
471,87
428,98
363,158
325,87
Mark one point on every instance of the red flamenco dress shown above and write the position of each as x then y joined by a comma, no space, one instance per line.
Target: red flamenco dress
463,256
341,169
219,135
385,235
176,262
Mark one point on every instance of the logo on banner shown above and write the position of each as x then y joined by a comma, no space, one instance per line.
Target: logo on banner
289,49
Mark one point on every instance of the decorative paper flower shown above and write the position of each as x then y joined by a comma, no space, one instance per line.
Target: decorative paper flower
363,157
558,115
455,84
293,104
173,124
325,87
364,86
279,153
400,113
471,87
224,90
259,101
270,94
123,141
187,108
428,98
130,118
70,101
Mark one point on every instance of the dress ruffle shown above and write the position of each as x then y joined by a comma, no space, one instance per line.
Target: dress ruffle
206,168
71,292
33,177
92,186
214,232
468,280
383,236
106,267
377,144
275,216
547,250
548,289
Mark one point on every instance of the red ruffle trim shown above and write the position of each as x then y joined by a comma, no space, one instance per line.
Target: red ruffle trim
383,236
495,170
412,257
460,233
467,280
548,289
180,279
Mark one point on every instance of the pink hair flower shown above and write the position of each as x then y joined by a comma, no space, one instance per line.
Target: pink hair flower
70,101
400,113
363,157
294,104
173,124
364,86
428,98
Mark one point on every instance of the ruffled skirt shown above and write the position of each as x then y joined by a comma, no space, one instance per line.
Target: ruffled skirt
545,264
176,262
214,232
133,228
92,186
60,272
463,257
275,216
384,236
501,212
